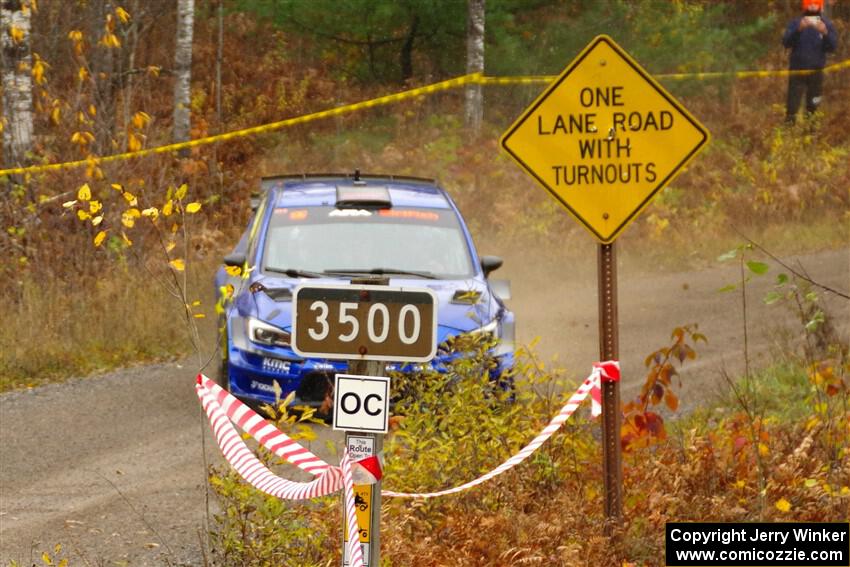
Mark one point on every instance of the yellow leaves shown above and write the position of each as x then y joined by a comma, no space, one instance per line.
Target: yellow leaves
128,217
234,271
122,14
83,138
99,238
38,69
130,198
126,239
152,213
17,34
134,142
783,505
153,70
82,74
110,41
56,115
93,171
181,192
141,119
764,450
76,37
45,557
82,215
193,208
178,264
168,208
84,192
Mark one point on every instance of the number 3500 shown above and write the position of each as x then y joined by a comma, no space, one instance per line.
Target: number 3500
366,322
408,324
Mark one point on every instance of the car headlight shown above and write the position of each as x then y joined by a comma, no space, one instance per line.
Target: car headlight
262,333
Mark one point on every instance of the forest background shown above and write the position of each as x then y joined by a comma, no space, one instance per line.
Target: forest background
105,262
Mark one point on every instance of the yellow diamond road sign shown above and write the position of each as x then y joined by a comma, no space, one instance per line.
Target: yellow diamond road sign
604,138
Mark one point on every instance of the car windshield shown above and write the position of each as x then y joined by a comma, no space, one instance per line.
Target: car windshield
320,239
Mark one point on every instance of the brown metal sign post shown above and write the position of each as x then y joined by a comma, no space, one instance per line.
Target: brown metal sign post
609,346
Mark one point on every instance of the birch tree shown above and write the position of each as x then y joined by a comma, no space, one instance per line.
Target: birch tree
183,70
474,64
17,81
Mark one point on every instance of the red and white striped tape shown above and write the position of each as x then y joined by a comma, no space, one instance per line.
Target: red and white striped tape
223,409
328,479
607,371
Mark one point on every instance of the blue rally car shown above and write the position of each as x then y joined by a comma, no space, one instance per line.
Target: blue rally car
330,229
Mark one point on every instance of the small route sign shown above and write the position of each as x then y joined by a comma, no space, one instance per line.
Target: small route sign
604,138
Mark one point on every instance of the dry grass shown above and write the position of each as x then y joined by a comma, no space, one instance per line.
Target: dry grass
57,328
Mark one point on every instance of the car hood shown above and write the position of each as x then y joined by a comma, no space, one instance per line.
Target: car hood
462,305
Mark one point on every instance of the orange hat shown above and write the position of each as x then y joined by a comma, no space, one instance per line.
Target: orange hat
808,3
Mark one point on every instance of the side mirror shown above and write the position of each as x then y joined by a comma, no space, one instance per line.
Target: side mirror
236,259
490,263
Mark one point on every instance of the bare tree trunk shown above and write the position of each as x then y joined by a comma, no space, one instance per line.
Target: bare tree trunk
183,70
406,56
474,64
17,81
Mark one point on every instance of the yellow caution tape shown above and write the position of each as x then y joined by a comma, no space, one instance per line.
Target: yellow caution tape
380,101
473,78
534,79
749,74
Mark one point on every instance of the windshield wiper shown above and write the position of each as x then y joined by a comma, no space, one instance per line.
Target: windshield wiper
295,273
386,272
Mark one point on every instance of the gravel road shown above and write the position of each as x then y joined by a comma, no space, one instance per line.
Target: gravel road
112,466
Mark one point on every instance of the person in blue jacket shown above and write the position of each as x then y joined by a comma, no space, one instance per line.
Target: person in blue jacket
809,37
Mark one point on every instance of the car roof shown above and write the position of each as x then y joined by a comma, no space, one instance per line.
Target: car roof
321,189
